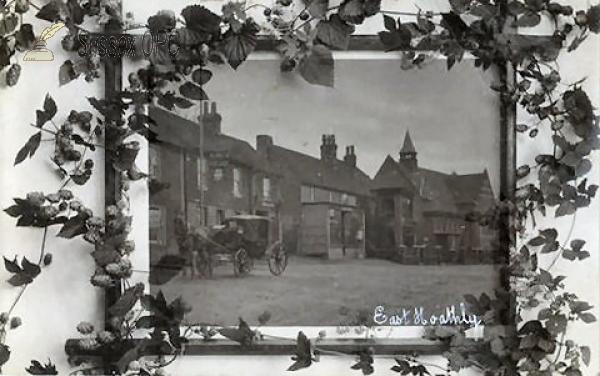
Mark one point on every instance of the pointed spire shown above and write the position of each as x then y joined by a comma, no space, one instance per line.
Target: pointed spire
408,147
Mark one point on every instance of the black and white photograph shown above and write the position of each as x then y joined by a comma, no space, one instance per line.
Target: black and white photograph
335,187
310,202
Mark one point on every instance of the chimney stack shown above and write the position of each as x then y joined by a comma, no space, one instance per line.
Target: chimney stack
350,157
210,118
328,148
263,143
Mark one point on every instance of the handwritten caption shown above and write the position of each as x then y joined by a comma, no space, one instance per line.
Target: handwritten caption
417,316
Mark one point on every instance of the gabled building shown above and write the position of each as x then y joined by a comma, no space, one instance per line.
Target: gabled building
421,209
324,201
204,175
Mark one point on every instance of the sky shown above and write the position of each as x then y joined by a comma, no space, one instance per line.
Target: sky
453,117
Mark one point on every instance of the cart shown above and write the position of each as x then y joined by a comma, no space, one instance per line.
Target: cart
241,240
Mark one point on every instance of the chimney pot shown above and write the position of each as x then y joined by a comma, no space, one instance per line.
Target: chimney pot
350,157
263,142
213,108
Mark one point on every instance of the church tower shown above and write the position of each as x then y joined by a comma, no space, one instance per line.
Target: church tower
408,154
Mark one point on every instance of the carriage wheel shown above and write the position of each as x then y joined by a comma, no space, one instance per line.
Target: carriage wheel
278,260
242,263
204,264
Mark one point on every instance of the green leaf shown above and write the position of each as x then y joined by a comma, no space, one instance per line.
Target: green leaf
36,368
182,102
577,244
577,42
572,372
4,354
550,247
317,8
549,233
566,208
299,364
587,317
585,355
12,266
8,23
129,356
569,255
31,269
583,167
571,159
6,51
556,324
104,255
532,326
242,334
193,91
580,306
199,18
317,67
25,37
201,76
81,177
21,279
537,241
352,11
237,46
43,116
528,19
66,73
127,300
50,12
29,148
516,7
389,23
583,255
303,353
73,227
335,33
167,268
544,314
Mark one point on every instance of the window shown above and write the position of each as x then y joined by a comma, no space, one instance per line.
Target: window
158,229
237,182
307,194
218,174
266,188
201,173
387,207
154,161
220,216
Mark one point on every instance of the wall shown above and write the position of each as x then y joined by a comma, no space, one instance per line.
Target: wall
62,295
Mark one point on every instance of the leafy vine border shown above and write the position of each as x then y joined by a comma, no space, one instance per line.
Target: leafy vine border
305,33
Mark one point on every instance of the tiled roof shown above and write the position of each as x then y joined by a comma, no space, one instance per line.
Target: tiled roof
440,192
435,191
335,175
392,176
184,133
466,188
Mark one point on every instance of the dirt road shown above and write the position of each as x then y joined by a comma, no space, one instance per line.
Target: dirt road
311,291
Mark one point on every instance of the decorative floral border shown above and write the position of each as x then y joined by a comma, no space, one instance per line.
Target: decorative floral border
305,32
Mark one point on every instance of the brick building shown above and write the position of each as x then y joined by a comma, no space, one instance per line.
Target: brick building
424,211
324,201
205,175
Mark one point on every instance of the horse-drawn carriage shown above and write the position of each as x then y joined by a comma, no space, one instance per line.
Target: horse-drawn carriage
239,240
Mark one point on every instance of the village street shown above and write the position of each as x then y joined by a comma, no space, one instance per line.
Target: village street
311,291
